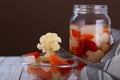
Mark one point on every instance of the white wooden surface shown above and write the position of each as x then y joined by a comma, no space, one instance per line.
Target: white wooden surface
11,69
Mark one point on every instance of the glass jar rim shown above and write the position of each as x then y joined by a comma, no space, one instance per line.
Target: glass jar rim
96,7
83,9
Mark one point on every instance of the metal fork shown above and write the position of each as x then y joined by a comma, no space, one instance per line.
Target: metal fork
66,55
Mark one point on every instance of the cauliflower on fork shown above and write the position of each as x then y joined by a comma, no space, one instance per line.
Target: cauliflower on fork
49,43
43,64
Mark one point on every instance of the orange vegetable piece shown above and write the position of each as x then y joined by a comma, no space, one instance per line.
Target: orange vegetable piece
106,31
39,72
75,33
56,61
88,36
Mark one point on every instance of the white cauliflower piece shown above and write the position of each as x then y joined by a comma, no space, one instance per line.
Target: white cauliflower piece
96,39
49,43
105,47
88,29
105,38
94,56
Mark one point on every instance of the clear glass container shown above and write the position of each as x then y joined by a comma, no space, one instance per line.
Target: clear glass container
44,70
90,32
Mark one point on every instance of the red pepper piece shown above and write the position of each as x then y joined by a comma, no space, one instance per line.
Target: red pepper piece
75,33
90,45
35,54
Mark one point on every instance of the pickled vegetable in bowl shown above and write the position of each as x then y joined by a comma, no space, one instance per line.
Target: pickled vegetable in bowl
48,66
52,69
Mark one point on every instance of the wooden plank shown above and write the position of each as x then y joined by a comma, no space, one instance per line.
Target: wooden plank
25,76
15,73
10,68
2,58
11,61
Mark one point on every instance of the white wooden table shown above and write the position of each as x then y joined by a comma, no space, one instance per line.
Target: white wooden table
11,68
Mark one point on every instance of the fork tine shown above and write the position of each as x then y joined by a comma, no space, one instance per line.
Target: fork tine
63,54
58,53
66,53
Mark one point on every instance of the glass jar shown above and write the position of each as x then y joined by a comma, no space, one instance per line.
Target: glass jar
90,32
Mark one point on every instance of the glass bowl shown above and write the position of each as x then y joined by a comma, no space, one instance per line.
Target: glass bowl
43,70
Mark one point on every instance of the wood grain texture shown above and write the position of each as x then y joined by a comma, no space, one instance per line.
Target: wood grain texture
25,76
10,68
2,59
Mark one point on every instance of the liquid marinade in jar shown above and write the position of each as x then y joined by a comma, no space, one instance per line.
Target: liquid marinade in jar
90,32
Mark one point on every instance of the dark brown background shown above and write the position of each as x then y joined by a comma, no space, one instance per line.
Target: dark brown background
22,22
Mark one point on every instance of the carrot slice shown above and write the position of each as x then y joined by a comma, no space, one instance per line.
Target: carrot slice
88,36
106,31
75,33
56,61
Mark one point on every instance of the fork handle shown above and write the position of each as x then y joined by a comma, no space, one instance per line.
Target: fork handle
96,67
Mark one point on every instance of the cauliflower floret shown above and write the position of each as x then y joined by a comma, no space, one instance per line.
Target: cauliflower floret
105,38
105,47
94,56
49,43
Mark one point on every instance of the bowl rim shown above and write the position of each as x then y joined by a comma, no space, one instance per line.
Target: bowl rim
74,64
